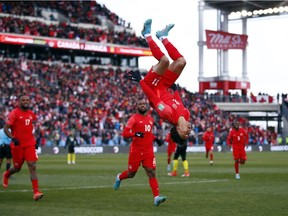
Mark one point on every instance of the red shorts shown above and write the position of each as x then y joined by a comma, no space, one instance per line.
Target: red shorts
135,160
239,153
209,148
152,79
21,154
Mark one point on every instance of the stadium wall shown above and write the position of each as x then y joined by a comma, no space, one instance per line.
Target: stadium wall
125,149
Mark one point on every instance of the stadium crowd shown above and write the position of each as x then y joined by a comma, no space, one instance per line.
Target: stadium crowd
66,30
96,103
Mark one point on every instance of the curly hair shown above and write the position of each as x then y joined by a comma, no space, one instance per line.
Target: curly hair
176,137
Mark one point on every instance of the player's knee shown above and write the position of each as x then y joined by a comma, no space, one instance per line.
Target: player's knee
131,174
164,61
151,173
181,62
17,169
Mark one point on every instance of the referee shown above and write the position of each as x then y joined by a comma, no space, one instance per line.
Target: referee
5,150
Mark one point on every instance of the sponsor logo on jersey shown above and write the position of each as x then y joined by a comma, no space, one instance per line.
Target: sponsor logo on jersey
161,107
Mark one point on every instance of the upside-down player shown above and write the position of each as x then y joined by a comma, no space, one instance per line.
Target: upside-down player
159,80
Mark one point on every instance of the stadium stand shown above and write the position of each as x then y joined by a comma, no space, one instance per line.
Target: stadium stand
93,99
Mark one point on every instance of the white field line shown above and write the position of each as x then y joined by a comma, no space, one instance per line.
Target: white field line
111,186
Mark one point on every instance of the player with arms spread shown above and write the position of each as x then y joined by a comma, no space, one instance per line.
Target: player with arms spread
139,127
20,122
238,138
160,81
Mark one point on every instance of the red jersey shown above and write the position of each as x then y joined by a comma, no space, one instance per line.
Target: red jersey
238,137
208,137
21,123
144,124
167,104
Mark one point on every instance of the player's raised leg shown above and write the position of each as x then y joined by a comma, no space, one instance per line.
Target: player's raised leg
163,61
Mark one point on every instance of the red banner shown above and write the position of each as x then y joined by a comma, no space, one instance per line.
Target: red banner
73,44
224,40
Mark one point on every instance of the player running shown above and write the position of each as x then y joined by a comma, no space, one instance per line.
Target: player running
139,127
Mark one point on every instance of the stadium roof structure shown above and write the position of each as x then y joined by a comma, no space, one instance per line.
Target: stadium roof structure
229,10
234,6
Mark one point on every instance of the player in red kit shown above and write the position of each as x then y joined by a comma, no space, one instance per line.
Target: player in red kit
139,127
20,122
238,138
208,137
160,79
171,148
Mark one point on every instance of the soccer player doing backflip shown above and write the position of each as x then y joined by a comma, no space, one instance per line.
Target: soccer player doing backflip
159,83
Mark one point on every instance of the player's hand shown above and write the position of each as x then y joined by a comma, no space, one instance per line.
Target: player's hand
15,141
139,134
36,146
159,142
133,75
174,87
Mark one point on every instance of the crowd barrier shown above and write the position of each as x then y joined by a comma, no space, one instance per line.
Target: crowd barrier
125,149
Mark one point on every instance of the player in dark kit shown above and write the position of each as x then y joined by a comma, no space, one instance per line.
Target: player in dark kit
20,122
180,151
5,149
159,80
139,127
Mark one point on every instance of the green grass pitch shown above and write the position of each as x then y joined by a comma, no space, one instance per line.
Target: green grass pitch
87,187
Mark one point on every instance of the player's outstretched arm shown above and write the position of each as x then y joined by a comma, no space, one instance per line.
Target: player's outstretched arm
134,76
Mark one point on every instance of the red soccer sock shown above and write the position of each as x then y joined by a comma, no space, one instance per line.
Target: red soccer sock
124,175
156,51
171,49
211,156
236,166
154,186
35,185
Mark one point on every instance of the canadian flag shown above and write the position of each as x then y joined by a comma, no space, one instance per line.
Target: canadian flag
224,40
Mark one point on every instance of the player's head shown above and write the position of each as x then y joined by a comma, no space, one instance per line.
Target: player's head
142,106
24,102
236,124
180,134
